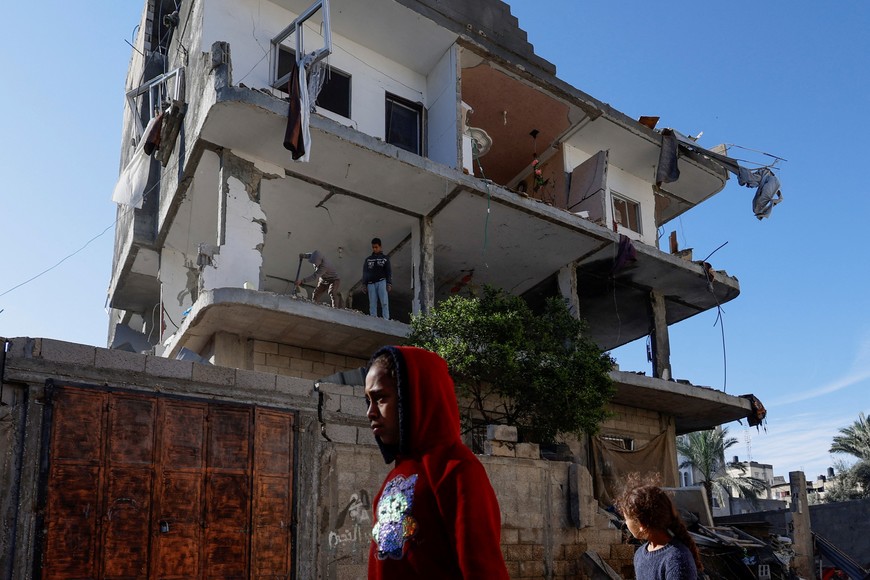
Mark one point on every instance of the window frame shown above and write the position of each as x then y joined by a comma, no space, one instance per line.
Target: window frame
628,202
282,86
416,107
297,26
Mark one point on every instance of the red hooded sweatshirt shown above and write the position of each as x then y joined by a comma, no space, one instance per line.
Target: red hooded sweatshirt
436,515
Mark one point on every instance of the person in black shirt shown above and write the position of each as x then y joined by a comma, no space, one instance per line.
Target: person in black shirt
378,280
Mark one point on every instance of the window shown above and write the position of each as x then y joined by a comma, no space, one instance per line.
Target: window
626,213
335,94
626,443
404,124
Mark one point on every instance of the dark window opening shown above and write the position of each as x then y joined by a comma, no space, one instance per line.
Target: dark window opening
165,18
334,95
404,124
626,443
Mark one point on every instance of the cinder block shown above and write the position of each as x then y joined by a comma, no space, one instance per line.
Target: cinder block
530,536
518,552
276,360
501,433
532,569
499,449
622,551
290,351
351,405
528,451
265,347
68,352
353,362
575,551
351,572
313,355
509,536
119,360
298,364
331,403
294,386
337,360
259,358
341,433
566,568
246,379
334,389
322,369
211,374
170,368
366,437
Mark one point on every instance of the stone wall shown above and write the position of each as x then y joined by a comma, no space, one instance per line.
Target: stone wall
282,359
550,517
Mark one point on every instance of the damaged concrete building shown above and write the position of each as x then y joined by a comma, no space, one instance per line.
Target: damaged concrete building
198,445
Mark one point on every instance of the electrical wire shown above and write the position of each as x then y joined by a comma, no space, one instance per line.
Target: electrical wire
720,320
486,182
47,270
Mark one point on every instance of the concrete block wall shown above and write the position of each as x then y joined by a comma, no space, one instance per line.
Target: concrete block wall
340,467
642,425
283,359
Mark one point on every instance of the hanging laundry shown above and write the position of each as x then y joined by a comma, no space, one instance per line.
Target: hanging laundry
667,170
768,193
297,138
169,130
152,135
130,188
757,413
625,253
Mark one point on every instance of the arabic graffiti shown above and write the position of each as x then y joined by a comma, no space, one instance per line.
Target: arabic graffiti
352,522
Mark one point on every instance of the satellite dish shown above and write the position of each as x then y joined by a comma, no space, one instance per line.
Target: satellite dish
481,142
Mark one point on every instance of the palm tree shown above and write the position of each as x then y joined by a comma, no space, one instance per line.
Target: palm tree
853,482
704,451
854,439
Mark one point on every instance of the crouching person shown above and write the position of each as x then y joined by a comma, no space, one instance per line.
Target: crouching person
436,514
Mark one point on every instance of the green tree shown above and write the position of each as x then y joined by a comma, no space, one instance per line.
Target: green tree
854,439
853,482
704,451
536,371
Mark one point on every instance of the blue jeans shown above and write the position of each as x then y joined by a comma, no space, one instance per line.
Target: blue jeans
377,292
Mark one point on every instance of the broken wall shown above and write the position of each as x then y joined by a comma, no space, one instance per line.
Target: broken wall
549,515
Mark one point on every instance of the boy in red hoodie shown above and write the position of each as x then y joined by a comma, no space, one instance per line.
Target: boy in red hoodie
436,515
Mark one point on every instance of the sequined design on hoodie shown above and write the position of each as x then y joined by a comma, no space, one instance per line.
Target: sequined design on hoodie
395,523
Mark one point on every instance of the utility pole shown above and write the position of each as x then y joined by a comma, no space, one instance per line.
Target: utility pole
803,563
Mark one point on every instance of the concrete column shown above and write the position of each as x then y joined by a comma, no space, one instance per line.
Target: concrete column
231,350
567,281
241,227
424,252
802,539
660,341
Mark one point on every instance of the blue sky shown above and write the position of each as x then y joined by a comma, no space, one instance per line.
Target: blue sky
784,77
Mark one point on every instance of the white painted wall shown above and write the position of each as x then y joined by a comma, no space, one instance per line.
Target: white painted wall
178,280
240,259
441,86
638,190
249,26
626,185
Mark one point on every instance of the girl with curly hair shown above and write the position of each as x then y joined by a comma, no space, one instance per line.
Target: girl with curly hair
668,551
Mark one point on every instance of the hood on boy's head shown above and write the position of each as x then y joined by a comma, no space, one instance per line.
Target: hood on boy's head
428,410
315,258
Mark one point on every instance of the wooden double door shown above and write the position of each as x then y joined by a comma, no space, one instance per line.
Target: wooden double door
150,486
